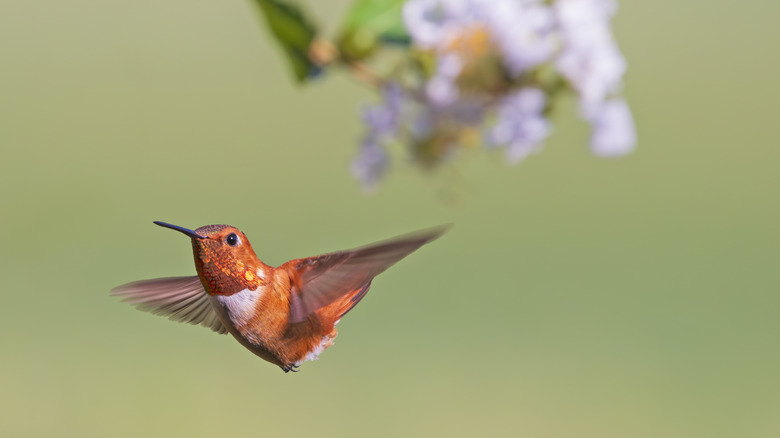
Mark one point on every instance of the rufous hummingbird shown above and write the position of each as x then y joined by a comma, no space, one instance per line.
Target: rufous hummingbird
286,315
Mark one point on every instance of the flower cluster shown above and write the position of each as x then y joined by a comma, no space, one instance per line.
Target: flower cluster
487,72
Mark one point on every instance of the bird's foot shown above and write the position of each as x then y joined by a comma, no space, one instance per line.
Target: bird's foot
288,368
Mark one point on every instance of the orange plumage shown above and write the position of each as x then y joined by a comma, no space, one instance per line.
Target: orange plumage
285,315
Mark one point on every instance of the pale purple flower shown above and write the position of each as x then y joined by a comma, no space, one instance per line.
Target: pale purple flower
523,31
520,29
528,46
427,21
584,13
521,125
434,24
441,90
370,164
589,58
594,66
383,119
613,129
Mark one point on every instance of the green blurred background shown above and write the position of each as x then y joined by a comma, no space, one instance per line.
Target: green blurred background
575,296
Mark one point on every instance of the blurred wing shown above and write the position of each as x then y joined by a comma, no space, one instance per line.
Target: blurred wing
321,280
181,299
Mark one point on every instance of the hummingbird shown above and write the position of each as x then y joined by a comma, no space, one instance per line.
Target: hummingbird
287,314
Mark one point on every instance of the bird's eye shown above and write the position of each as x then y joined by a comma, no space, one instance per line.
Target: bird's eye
232,239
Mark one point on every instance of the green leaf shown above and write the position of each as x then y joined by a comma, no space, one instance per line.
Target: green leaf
369,23
294,33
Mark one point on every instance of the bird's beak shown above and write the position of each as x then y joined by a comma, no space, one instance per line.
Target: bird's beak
186,231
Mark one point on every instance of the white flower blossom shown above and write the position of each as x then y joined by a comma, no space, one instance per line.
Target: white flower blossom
427,21
520,29
497,66
613,129
589,59
441,89
523,32
521,125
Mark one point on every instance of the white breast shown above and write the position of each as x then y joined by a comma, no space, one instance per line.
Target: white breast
240,306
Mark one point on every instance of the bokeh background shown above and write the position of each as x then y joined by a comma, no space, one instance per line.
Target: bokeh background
575,296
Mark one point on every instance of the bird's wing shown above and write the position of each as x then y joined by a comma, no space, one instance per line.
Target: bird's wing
321,280
179,298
